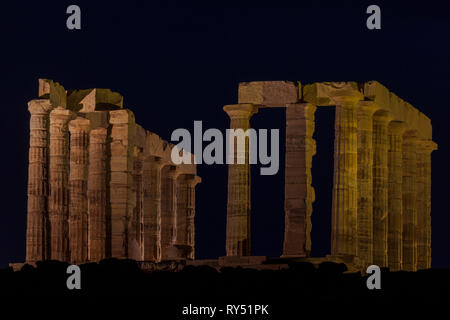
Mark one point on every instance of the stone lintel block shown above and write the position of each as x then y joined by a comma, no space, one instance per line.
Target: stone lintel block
322,93
269,93
98,119
61,113
53,91
123,116
90,100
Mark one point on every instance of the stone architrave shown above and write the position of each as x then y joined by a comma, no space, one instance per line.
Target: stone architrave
121,194
168,210
37,219
78,181
58,202
238,200
344,234
380,189
299,193
409,150
152,208
97,195
395,217
364,115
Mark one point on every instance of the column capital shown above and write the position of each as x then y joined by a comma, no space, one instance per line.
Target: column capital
382,117
155,161
39,106
62,114
79,125
426,146
191,179
244,110
367,107
396,127
173,172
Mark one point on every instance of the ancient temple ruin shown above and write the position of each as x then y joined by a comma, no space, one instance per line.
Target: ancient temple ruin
100,186
381,197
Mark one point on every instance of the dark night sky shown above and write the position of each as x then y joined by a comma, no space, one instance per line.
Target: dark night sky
176,64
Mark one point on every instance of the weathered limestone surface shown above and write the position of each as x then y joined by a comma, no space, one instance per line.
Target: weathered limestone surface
409,202
38,180
136,233
380,188
78,180
98,208
395,206
238,200
365,181
268,93
299,193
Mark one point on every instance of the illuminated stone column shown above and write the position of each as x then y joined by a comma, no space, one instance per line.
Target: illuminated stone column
122,199
238,200
136,234
97,194
423,203
299,193
168,210
409,202
78,180
152,208
186,213
380,189
365,181
58,202
37,218
395,216
344,235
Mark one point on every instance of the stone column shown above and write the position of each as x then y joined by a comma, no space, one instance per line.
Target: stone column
365,181
78,203
299,193
409,203
37,218
186,213
380,189
238,200
395,216
58,202
97,194
423,203
152,208
121,195
136,234
344,235
168,210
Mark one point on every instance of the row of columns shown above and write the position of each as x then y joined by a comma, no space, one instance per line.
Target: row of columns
75,209
381,186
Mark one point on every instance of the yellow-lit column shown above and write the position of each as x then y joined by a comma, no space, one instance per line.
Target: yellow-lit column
395,206
344,234
238,200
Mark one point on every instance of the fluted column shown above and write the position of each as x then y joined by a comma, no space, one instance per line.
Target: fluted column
136,234
238,200
186,213
37,218
152,208
423,203
409,203
58,202
365,181
168,210
395,216
78,203
97,194
380,189
299,193
344,236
